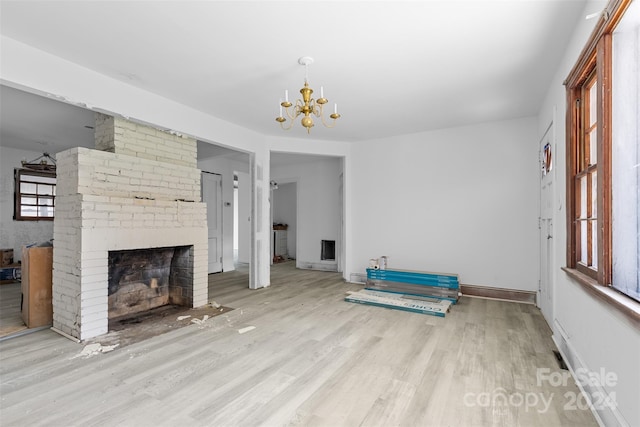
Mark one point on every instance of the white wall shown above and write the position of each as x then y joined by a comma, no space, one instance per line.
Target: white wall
597,337
461,200
285,212
318,215
15,234
225,167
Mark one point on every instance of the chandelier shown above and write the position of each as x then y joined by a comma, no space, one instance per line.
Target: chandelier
307,105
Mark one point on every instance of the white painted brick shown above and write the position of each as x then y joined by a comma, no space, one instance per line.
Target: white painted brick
93,294
142,161
93,329
90,283
147,156
120,216
98,270
94,309
109,207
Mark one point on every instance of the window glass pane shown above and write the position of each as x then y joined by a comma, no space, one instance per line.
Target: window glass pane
28,200
45,201
594,244
583,242
583,197
593,104
593,146
594,194
38,178
45,189
30,211
625,153
28,188
45,211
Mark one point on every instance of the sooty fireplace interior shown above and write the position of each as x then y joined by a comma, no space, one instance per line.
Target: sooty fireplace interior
142,279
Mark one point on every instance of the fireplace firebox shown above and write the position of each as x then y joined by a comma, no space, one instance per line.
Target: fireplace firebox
143,279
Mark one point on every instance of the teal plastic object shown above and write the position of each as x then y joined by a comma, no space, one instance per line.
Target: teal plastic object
443,280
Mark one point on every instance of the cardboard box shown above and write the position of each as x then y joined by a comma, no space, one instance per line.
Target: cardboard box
6,257
37,269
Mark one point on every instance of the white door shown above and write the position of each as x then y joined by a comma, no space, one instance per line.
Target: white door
547,172
244,218
212,196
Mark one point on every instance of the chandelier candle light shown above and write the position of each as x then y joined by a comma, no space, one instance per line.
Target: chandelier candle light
307,105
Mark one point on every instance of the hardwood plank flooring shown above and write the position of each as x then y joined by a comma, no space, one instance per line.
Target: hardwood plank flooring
312,360
10,316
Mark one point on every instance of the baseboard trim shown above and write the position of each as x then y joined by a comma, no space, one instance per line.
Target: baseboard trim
588,382
515,295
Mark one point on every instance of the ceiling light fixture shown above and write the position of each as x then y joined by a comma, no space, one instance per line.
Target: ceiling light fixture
307,105
41,163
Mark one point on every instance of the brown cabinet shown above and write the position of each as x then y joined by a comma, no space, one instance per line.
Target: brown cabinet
37,269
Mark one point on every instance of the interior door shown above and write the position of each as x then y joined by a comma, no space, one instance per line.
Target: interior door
545,291
212,196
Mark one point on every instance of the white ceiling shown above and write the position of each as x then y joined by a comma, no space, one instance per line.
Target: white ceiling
393,67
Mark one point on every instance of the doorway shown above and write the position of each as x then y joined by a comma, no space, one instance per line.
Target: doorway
284,219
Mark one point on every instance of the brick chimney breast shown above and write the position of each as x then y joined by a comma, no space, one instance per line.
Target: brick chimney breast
139,189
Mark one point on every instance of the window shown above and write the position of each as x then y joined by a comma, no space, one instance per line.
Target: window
35,195
603,156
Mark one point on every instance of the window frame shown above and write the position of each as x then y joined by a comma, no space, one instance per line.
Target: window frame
18,174
598,67
596,57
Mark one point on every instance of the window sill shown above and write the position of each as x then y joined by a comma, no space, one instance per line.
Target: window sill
623,304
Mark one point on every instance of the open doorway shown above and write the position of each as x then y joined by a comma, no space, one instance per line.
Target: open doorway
308,200
284,213
227,170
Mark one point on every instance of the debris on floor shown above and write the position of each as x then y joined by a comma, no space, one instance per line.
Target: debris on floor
247,329
184,317
93,349
214,304
200,322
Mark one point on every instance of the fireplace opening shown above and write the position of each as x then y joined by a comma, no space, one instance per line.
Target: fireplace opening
143,279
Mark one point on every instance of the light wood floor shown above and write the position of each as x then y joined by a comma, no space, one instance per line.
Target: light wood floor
10,316
312,360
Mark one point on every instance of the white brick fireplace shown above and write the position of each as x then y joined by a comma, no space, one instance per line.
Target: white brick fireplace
140,189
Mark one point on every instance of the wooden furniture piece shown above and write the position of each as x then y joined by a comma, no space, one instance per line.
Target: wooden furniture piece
37,267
